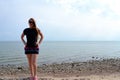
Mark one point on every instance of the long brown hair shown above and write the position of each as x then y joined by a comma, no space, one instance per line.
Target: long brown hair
31,20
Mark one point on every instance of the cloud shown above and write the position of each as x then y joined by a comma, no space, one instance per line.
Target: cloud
96,7
63,19
89,20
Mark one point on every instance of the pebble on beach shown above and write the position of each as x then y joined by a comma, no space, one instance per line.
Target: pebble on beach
65,69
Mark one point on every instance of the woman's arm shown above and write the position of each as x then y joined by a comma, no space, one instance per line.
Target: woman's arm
41,35
22,38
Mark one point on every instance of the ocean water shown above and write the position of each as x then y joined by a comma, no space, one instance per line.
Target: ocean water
60,51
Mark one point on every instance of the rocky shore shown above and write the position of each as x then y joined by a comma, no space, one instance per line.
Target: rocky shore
75,69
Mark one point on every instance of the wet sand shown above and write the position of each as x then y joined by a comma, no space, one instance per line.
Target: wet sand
105,69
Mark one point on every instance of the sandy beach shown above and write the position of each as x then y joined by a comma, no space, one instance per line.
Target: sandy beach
105,69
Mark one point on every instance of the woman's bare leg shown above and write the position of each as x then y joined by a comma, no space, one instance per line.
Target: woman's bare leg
34,59
29,57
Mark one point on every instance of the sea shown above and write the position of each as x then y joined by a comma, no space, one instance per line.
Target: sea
12,52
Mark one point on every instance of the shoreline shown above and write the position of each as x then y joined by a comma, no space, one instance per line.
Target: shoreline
88,70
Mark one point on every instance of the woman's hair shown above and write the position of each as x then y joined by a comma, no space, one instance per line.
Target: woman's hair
31,20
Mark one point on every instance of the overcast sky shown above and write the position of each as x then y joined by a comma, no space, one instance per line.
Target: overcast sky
62,20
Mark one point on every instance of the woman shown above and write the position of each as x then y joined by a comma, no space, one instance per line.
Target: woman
32,46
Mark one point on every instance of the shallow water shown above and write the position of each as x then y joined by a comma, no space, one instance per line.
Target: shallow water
60,51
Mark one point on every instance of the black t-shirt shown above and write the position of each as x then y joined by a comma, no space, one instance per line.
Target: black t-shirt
31,35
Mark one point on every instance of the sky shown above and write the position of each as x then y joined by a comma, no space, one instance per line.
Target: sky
62,20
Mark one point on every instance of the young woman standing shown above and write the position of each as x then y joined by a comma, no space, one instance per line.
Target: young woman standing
32,46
